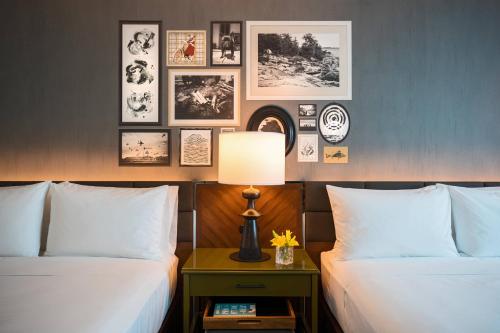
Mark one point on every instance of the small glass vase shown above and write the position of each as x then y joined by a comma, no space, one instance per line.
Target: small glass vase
284,255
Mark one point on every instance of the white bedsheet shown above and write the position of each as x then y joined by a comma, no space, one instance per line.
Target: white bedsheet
83,294
413,294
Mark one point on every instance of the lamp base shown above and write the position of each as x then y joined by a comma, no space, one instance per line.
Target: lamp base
236,257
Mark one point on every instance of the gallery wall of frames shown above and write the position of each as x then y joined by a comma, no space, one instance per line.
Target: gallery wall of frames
284,60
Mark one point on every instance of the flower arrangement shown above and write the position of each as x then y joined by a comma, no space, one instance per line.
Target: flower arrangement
284,247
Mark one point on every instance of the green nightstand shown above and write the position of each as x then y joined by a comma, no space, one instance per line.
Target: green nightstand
209,272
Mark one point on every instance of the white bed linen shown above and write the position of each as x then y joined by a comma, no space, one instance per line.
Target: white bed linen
82,294
409,295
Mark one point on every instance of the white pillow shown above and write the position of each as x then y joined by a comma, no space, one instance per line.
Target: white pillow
476,218
109,222
21,213
391,223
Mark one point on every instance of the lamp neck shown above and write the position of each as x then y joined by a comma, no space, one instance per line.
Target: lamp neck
251,194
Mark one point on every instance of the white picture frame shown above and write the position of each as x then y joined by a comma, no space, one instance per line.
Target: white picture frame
307,148
319,76
196,147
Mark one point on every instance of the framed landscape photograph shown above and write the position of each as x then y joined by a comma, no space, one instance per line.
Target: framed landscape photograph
196,147
307,150
298,60
226,43
147,147
140,79
204,97
186,48
307,110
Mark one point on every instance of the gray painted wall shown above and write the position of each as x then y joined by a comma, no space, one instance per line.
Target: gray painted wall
426,86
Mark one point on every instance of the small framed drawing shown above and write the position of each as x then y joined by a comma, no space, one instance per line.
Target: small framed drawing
140,79
146,147
227,129
186,48
307,124
204,97
195,147
307,150
307,110
334,123
272,118
226,43
298,60
338,155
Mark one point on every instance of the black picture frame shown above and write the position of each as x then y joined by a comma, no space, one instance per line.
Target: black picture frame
212,63
305,128
123,162
321,120
159,70
303,113
181,164
282,116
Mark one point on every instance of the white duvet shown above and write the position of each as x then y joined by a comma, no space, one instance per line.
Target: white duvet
413,294
83,294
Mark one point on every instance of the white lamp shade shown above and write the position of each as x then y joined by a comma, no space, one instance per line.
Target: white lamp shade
252,158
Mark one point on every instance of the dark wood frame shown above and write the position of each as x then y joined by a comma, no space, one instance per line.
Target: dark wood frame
282,115
120,74
211,146
308,129
147,130
241,44
319,119
315,109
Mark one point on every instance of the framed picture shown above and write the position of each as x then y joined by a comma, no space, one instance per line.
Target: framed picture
307,150
195,147
307,124
140,76
298,60
338,155
272,118
147,147
307,110
186,48
204,97
334,123
226,43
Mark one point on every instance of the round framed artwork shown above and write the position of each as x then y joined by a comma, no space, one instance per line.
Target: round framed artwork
272,118
334,123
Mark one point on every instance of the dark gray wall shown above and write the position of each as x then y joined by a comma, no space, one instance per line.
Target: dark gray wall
426,86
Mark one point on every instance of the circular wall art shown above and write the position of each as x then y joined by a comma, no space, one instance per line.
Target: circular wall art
334,123
272,118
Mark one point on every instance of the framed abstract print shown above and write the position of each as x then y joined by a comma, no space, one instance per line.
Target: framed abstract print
298,60
140,78
196,147
226,45
146,147
186,48
334,123
204,97
307,150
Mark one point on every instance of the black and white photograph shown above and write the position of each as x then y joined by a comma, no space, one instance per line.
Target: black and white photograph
307,124
226,43
208,97
334,123
195,147
307,150
307,110
140,73
298,60
147,147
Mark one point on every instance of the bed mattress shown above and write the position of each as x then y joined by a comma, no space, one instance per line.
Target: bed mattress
408,295
83,294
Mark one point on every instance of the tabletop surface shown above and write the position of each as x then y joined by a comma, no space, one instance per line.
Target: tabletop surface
217,260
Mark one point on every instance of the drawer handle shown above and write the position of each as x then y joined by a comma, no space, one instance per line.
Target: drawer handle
248,322
250,286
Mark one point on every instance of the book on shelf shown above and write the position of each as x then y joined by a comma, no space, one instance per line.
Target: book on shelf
235,310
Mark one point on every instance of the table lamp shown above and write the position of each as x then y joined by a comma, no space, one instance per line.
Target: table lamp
251,158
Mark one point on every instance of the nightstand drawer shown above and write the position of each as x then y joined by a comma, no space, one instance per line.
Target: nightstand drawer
250,284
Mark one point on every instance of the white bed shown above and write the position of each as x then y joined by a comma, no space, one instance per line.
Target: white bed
460,294
84,294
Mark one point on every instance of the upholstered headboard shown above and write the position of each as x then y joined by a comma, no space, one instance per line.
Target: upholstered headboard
319,228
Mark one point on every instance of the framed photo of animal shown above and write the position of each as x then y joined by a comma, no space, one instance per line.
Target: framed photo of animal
336,155
140,81
298,60
204,97
146,147
226,43
186,48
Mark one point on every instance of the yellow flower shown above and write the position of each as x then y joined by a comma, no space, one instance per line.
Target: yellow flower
284,240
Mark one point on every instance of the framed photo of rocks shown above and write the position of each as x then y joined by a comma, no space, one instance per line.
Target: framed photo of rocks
140,81
298,60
